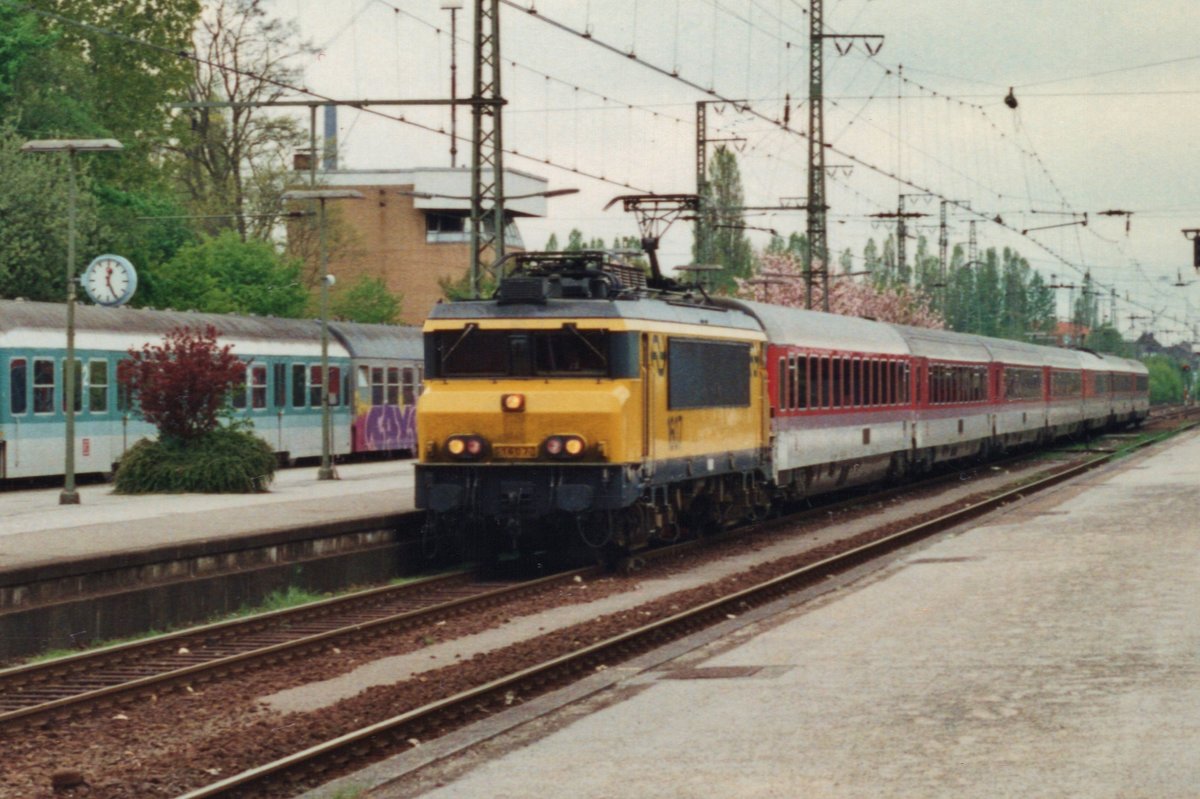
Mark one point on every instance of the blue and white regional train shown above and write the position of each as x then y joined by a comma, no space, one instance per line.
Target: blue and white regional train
376,372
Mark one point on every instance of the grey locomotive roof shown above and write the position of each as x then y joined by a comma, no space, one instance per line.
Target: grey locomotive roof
379,341
19,314
649,309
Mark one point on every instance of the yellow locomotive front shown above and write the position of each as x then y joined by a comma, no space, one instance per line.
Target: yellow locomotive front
571,410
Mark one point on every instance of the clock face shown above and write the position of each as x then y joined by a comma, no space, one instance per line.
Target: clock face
110,280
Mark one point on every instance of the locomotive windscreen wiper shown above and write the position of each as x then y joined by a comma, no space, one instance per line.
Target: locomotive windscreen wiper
468,330
574,329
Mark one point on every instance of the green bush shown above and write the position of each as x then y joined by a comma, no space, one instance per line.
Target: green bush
224,461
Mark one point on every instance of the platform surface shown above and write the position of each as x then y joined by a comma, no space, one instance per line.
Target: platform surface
1053,651
35,530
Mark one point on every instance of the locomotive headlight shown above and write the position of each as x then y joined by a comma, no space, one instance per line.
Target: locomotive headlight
564,446
512,403
466,447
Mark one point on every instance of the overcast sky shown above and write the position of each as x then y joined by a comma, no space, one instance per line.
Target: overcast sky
1108,117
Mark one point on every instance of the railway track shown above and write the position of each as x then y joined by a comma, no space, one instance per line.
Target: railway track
322,762
45,692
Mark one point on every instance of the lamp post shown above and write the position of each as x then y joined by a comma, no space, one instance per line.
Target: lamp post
453,6
69,495
321,195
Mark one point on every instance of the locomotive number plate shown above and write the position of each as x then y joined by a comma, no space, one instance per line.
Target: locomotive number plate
515,451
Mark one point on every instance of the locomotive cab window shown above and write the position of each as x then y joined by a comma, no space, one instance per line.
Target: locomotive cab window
565,352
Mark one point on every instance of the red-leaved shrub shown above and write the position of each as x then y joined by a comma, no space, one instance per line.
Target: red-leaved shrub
181,384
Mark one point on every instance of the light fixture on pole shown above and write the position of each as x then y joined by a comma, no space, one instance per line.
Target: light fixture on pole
321,195
69,495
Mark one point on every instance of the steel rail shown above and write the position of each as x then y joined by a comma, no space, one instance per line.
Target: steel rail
113,657
466,704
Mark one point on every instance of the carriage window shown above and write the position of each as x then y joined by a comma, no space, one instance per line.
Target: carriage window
783,383
335,385
393,385
258,385
18,386
378,387
97,386
43,386
239,392
800,388
280,394
860,383
78,388
314,386
299,386
409,386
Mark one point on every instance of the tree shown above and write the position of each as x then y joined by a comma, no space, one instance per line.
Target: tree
1166,379
847,296
227,275
236,160
722,238
366,300
34,210
181,385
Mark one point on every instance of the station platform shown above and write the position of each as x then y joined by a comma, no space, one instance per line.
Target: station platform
1051,651
115,565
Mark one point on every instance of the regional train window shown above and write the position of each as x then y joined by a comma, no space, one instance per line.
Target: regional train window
78,387
299,385
279,397
43,386
258,386
314,386
97,386
378,386
409,386
239,392
18,386
335,385
393,385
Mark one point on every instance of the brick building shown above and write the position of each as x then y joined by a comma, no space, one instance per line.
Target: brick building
414,227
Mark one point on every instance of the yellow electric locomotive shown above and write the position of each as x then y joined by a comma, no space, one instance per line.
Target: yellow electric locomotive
577,406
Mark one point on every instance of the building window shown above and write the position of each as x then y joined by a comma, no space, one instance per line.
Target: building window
443,228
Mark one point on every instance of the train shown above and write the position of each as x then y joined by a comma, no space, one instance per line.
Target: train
583,406
376,374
